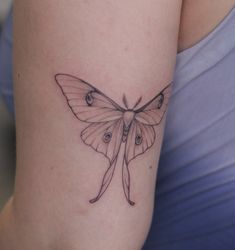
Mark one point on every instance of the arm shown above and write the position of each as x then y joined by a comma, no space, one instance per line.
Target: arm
120,47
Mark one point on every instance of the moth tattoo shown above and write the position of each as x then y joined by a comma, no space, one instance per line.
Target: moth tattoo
111,126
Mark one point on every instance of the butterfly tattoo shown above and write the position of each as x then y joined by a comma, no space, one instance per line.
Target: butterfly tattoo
111,126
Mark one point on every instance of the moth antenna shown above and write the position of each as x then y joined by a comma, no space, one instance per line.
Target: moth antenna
125,101
138,102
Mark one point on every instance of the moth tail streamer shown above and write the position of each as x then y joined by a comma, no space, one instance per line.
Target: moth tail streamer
126,182
108,176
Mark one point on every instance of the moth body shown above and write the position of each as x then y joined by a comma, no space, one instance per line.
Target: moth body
128,117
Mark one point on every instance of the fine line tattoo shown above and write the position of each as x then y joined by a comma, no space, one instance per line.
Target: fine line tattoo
111,125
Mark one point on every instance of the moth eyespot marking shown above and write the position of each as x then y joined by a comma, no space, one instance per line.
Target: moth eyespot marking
160,101
107,137
89,98
138,139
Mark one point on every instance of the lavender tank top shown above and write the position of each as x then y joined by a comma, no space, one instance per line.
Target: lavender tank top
195,191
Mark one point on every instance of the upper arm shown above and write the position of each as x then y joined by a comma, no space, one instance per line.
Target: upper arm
120,47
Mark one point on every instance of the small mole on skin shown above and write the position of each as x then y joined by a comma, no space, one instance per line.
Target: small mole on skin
150,167
18,75
52,167
126,48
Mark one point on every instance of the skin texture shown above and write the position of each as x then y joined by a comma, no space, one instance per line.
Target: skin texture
131,49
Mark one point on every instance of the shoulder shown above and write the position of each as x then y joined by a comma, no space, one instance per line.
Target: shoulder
198,18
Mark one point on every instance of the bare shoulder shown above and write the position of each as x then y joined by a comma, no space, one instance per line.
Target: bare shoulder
199,18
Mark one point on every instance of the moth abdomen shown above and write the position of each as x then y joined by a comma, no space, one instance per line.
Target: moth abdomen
125,133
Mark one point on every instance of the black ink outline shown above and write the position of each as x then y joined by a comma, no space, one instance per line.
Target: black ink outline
114,122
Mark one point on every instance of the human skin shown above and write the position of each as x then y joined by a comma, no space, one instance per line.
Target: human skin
131,49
